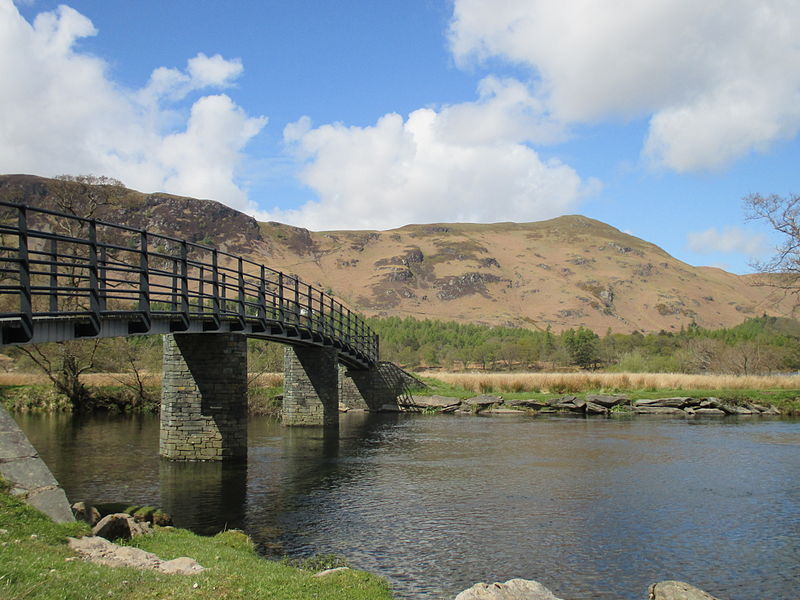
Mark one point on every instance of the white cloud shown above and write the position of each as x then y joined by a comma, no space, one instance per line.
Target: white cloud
467,162
729,240
63,114
717,78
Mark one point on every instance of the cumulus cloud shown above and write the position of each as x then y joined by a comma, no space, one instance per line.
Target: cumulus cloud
63,114
717,79
466,162
729,240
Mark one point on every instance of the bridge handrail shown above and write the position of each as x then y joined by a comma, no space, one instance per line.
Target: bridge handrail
96,268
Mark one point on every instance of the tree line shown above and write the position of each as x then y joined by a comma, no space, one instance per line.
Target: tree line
757,346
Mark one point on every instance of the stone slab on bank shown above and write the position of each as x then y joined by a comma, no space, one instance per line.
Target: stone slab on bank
594,404
25,471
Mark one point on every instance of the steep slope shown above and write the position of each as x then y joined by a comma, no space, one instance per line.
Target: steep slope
562,273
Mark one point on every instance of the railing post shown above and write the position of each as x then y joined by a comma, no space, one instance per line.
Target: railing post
281,313
173,304
95,302
262,295
296,300
242,312
332,317
185,280
215,283
144,274
201,297
53,275
25,301
102,286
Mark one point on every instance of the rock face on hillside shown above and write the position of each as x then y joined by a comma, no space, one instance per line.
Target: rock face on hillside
566,272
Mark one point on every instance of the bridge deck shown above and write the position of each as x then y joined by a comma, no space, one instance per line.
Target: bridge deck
65,277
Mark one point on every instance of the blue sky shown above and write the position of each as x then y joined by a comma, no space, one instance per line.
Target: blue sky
656,117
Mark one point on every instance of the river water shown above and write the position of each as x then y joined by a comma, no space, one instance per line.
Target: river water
592,508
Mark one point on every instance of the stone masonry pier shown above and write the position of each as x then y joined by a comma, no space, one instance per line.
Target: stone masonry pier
310,386
204,397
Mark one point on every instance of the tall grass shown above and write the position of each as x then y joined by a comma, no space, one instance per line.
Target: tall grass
561,383
113,379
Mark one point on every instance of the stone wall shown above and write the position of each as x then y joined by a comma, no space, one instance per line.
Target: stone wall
204,397
311,386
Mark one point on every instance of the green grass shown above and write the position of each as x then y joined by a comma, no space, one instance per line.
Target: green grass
34,565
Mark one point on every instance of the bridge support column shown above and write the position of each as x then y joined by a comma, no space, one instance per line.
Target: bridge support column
310,386
204,397
368,389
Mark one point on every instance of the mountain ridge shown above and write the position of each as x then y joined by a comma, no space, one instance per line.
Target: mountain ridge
565,272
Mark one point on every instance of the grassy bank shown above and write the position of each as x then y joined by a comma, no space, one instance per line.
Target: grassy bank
782,392
28,392
36,564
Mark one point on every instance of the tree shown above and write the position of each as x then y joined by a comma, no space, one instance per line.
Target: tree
582,346
783,215
65,363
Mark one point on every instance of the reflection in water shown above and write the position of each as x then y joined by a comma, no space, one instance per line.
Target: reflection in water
595,508
206,497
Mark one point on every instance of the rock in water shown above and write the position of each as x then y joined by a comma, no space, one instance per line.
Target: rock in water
677,590
513,589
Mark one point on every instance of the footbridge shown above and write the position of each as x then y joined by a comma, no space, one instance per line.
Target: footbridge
66,277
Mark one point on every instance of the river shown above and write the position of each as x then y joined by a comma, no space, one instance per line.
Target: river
593,508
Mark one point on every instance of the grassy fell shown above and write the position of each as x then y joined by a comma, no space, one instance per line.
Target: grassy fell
36,564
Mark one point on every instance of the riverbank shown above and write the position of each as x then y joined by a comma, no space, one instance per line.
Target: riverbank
515,391
36,564
116,393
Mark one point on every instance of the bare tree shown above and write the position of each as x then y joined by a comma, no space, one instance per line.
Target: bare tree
783,215
64,363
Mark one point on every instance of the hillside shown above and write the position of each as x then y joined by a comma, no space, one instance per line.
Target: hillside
564,272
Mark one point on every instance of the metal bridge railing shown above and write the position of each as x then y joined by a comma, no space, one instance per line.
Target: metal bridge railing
57,265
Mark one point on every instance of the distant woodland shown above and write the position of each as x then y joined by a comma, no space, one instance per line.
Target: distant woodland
761,345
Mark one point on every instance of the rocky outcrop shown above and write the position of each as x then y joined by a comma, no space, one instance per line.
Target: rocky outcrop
676,590
527,589
100,551
513,589
592,405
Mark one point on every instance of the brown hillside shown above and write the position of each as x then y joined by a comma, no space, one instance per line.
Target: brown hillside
564,272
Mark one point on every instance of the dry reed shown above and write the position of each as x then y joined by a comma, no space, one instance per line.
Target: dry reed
583,382
114,379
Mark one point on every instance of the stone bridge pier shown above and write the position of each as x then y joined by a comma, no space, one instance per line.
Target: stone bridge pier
204,393
204,397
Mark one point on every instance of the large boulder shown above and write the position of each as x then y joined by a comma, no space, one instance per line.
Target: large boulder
513,589
119,525
676,590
